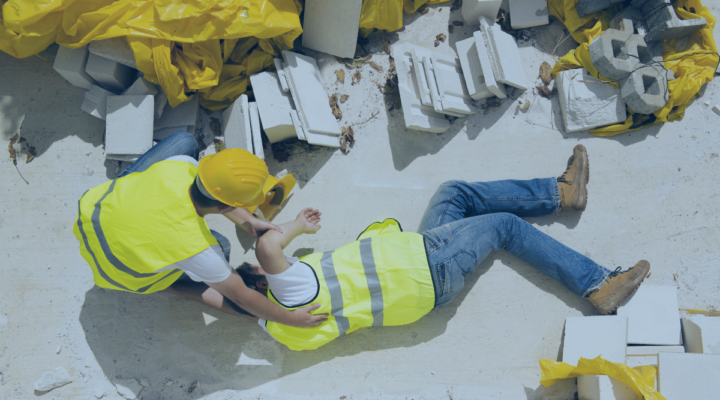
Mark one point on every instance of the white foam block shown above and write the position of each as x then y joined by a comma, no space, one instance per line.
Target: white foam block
602,387
184,115
236,125
528,13
701,334
256,132
274,106
70,63
115,49
472,70
52,379
652,313
507,65
473,9
109,74
653,350
128,126
331,26
589,337
417,116
689,376
95,101
495,87
447,85
587,103
141,86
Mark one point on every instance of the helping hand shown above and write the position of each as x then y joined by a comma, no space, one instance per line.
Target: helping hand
258,227
310,218
306,320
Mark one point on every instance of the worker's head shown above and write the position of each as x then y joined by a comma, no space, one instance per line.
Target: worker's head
253,276
229,179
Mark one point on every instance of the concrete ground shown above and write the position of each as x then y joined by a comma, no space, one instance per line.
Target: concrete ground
651,196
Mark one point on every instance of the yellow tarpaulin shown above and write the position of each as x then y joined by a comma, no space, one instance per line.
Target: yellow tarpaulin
388,14
693,65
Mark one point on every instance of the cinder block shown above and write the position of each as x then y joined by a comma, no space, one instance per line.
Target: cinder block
141,87
331,26
495,87
128,126
630,20
274,106
256,132
652,313
472,70
70,63
473,9
689,376
653,350
95,102
109,74
586,7
646,90
589,337
663,23
507,65
115,49
614,53
587,103
701,334
528,13
602,387
184,115
236,125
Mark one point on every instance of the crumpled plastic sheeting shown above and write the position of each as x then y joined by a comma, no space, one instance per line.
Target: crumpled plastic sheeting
694,65
388,14
640,379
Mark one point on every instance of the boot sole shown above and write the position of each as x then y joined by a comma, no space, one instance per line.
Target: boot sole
632,290
583,183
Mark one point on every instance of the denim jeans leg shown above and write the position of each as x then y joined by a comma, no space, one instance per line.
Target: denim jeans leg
223,242
178,144
455,249
455,200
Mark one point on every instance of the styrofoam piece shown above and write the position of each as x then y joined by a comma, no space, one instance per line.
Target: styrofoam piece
602,387
161,101
95,101
689,376
451,87
141,87
236,125
589,337
417,116
274,106
701,334
128,126
507,65
70,63
258,149
587,103
495,87
434,92
472,70
652,313
637,361
528,13
473,9
421,77
185,114
331,26
282,76
109,74
653,350
115,49
299,129
52,379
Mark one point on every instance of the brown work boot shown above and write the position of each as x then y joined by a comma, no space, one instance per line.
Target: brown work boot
617,286
573,192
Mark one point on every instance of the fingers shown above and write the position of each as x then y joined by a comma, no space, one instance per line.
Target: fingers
313,307
276,228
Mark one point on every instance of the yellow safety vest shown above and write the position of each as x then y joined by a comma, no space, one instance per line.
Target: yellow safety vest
382,279
131,227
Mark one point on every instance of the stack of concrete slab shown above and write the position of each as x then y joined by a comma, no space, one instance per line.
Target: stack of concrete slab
174,119
331,26
241,127
528,13
588,103
128,126
472,10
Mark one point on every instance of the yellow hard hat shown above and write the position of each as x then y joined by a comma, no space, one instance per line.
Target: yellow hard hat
233,176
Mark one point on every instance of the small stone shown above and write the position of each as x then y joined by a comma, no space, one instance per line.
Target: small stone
52,379
170,383
57,350
99,393
432,372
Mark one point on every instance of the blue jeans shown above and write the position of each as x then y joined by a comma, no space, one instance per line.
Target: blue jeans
179,143
465,222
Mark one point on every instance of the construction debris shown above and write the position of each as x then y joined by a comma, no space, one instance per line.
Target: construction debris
375,66
332,26
70,63
663,23
585,102
112,76
275,106
52,380
114,49
507,65
472,10
659,327
128,126
587,7
528,13
173,119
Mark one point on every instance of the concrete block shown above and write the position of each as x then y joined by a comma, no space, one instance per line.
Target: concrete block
141,87
587,103
637,361
184,115
601,387
652,313
258,149
662,21
417,115
689,376
70,63
472,70
614,54
630,20
109,74
653,350
589,337
473,9
701,334
331,26
586,7
52,379
495,87
236,125
115,49
274,106
528,13
95,102
646,90
161,101
507,65
128,126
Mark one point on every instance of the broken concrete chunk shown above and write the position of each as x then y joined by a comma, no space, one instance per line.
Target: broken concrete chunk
109,74
586,7
688,376
141,87
652,313
115,49
528,13
331,26
70,63
258,149
52,380
95,102
587,103
701,334
472,70
474,9
236,125
128,126
274,106
507,65
663,23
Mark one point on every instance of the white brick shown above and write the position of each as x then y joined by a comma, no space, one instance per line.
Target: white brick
474,9
589,337
653,350
689,376
141,87
652,314
115,49
495,87
331,26
95,102
70,63
128,126
528,13
184,115
417,115
256,131
109,74
507,65
274,106
447,85
701,333
472,70
601,387
587,103
236,125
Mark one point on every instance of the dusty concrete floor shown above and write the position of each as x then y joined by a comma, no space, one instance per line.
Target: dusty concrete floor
652,194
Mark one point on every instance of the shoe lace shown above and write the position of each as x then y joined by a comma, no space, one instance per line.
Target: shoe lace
563,177
616,272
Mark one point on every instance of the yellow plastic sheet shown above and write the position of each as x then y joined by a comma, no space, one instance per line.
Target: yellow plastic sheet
693,65
388,14
640,379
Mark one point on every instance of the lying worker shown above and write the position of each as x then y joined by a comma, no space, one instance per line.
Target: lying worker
388,277
145,231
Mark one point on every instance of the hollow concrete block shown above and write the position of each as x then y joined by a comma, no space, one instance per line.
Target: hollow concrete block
236,125
115,49
652,313
507,65
701,334
472,10
614,53
109,74
587,103
95,101
331,26
688,376
70,63
528,13
128,126
586,7
630,20
662,21
646,90
472,70
274,106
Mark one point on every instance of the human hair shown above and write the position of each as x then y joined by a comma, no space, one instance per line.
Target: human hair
202,200
250,278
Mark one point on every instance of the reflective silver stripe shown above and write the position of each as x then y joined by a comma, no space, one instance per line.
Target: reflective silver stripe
373,281
336,299
103,241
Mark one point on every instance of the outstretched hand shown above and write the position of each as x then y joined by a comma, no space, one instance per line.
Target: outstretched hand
309,218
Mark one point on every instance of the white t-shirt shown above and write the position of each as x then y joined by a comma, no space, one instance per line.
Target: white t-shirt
294,287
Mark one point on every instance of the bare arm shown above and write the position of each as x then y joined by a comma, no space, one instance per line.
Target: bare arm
269,250
250,223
